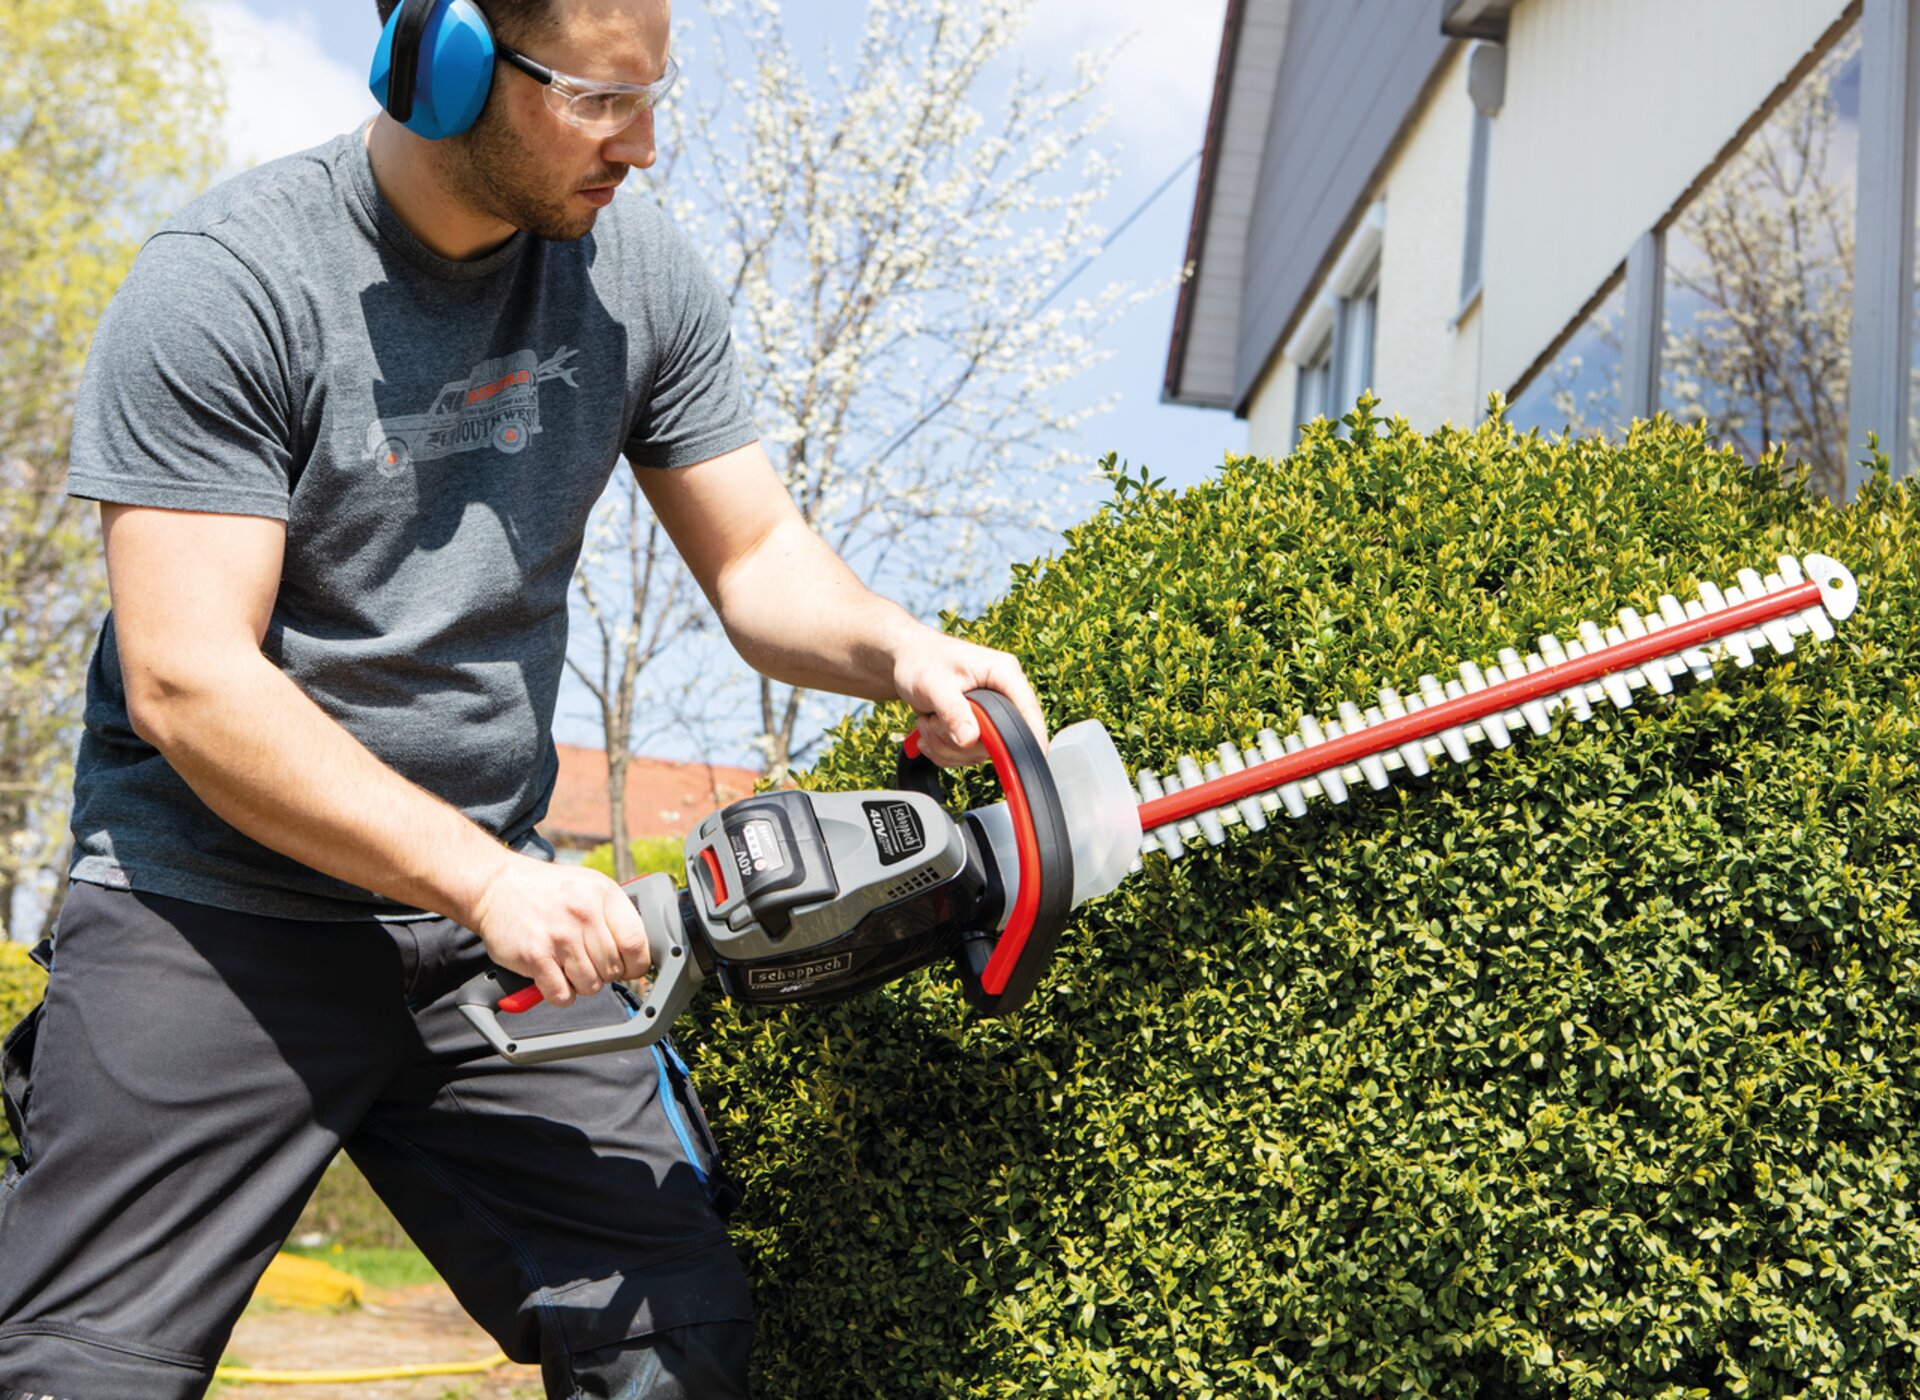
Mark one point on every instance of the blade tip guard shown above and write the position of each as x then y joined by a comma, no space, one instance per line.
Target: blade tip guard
1839,593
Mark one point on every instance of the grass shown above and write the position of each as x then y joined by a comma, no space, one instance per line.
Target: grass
378,1266
357,1234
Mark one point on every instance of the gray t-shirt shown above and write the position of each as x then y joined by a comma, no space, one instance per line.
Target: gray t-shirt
435,435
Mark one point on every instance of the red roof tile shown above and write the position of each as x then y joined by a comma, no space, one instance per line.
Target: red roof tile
664,798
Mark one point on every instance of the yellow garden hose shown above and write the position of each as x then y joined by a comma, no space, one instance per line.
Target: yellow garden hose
390,1373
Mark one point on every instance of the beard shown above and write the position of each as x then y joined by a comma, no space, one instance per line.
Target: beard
492,169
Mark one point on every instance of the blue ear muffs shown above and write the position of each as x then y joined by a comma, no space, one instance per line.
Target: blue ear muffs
433,66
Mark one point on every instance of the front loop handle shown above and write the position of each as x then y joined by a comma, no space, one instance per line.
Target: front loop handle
999,974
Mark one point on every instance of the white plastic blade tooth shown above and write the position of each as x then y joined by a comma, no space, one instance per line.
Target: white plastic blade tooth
1247,807
1430,694
1670,665
1754,637
1781,628
1163,838
1371,768
1574,699
1512,668
1459,740
1333,781
1694,658
1390,759
1213,821
1658,673
1635,678
1496,674
1735,645
1767,633
1431,745
1192,777
1535,712
1295,795
1591,641
1839,594
1493,726
1186,828
1413,754
1251,755
1816,622
1614,685
1290,795
1784,577
1226,812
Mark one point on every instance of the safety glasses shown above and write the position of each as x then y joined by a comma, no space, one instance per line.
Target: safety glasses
599,109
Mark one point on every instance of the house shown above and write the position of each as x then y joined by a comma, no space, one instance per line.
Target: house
1596,208
664,798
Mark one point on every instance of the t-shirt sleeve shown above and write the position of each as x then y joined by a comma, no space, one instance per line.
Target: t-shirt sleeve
185,403
696,406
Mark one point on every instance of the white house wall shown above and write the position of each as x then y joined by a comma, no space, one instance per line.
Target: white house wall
1270,419
1424,366
1612,111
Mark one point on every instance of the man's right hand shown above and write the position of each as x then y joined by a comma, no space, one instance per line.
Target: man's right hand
571,930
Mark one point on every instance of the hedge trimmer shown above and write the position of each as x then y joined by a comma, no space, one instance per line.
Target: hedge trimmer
800,897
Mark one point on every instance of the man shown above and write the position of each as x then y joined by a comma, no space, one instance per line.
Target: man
347,419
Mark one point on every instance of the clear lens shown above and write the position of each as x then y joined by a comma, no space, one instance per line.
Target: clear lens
606,109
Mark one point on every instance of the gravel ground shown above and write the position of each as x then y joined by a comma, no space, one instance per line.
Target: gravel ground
421,1325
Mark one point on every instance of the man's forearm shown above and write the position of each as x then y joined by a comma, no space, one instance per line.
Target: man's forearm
795,612
271,763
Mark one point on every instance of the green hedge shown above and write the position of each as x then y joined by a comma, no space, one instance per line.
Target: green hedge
1585,1070
652,855
21,983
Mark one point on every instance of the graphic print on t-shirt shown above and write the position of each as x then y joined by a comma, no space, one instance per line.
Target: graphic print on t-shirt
496,405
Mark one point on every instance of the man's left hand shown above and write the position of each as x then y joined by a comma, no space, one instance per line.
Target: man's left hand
933,673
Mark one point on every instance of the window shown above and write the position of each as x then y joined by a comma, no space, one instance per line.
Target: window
1333,344
1759,279
1313,398
1579,390
1354,335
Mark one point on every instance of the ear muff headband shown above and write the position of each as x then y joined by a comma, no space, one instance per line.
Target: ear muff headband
409,23
433,66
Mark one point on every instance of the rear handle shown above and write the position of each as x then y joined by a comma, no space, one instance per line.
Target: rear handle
677,975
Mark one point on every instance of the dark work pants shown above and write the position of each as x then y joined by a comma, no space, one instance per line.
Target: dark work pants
192,1071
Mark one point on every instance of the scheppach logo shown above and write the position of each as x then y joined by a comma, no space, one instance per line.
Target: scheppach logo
896,828
799,975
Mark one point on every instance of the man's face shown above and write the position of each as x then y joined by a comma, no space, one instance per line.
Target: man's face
524,164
